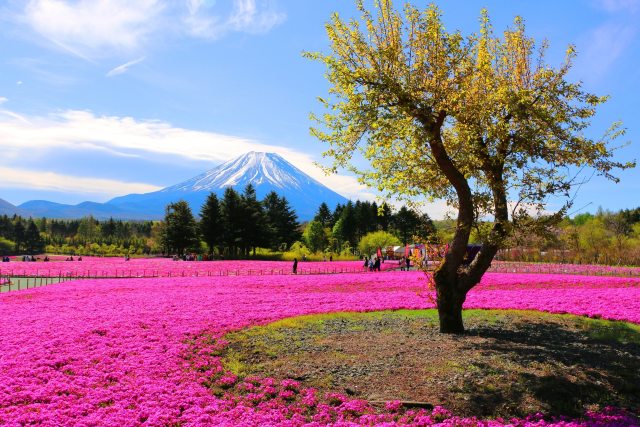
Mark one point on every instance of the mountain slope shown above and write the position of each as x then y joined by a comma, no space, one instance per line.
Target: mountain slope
266,171
8,209
258,169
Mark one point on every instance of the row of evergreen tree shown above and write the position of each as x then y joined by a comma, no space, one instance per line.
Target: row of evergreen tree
235,225
239,223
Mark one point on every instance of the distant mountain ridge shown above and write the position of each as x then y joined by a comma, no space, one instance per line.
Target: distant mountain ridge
265,171
8,209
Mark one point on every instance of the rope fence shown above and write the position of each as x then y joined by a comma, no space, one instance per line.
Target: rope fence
146,273
16,279
573,269
16,283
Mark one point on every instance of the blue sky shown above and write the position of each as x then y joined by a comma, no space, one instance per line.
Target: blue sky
100,98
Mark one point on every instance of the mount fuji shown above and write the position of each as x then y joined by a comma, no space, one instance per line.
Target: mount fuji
265,171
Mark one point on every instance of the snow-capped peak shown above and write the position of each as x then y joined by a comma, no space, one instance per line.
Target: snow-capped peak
257,168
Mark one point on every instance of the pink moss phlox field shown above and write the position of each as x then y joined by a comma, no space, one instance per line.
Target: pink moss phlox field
141,351
549,268
510,281
165,267
613,298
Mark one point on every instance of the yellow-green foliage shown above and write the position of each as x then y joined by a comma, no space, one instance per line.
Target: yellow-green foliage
377,239
467,119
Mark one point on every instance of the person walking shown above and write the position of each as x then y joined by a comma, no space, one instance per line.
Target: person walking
295,266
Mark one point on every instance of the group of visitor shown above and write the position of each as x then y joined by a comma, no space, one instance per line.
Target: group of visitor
373,264
194,257
25,258
32,258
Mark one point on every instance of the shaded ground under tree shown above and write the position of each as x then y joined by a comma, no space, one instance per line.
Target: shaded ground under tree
507,364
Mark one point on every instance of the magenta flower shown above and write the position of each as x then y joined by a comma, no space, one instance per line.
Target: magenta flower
123,352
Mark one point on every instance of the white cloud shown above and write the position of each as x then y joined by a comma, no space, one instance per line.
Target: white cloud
38,180
94,29
3,99
121,69
614,6
126,136
246,17
90,28
603,47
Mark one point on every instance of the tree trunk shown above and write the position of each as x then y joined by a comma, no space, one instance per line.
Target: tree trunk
449,301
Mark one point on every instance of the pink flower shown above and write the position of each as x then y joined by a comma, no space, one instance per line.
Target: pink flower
136,351
227,380
393,405
287,394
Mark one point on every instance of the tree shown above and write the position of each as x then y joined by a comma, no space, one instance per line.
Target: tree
338,234
252,221
405,222
483,119
88,230
6,246
180,230
366,218
593,240
426,230
6,227
108,229
620,227
32,240
315,236
384,216
348,228
324,215
211,222
377,239
19,234
282,221
337,213
231,213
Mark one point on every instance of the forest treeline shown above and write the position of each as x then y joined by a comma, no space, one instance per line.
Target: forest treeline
85,236
611,238
238,225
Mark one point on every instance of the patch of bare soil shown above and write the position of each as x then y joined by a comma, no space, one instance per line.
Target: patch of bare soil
507,364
